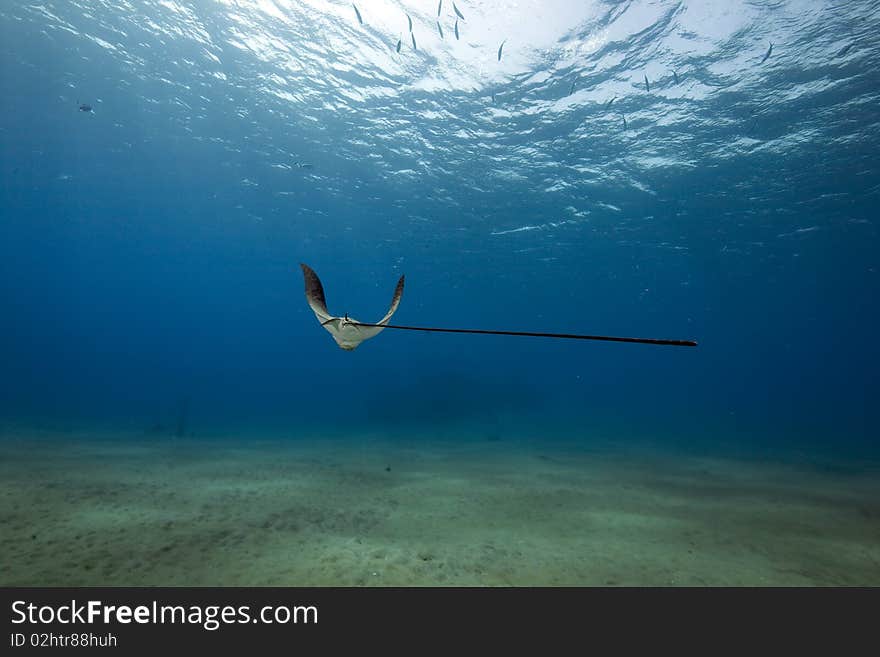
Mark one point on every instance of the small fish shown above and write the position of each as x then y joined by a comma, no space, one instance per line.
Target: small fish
456,29
399,42
844,50
608,104
358,14
414,41
440,29
767,56
624,121
493,99
675,77
500,48
410,22
647,85
439,7
457,12
85,107
571,89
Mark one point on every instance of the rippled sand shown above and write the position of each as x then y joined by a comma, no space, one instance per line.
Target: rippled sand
121,510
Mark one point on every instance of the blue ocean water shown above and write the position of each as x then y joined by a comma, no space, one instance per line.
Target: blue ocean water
625,168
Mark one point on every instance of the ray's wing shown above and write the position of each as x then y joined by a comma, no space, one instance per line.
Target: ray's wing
315,294
367,332
395,301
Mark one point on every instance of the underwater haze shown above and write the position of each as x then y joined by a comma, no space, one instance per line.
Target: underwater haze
640,168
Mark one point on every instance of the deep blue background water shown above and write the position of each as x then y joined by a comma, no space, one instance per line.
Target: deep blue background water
149,250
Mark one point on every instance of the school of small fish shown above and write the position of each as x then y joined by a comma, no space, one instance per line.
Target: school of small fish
84,107
456,13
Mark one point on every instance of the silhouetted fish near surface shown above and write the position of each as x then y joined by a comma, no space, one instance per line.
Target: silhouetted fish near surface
399,42
440,29
439,7
85,108
571,88
647,85
844,50
500,48
675,77
624,121
767,56
414,41
457,12
456,30
410,22
608,104
358,14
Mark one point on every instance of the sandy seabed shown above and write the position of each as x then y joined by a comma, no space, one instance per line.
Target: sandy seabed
87,510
